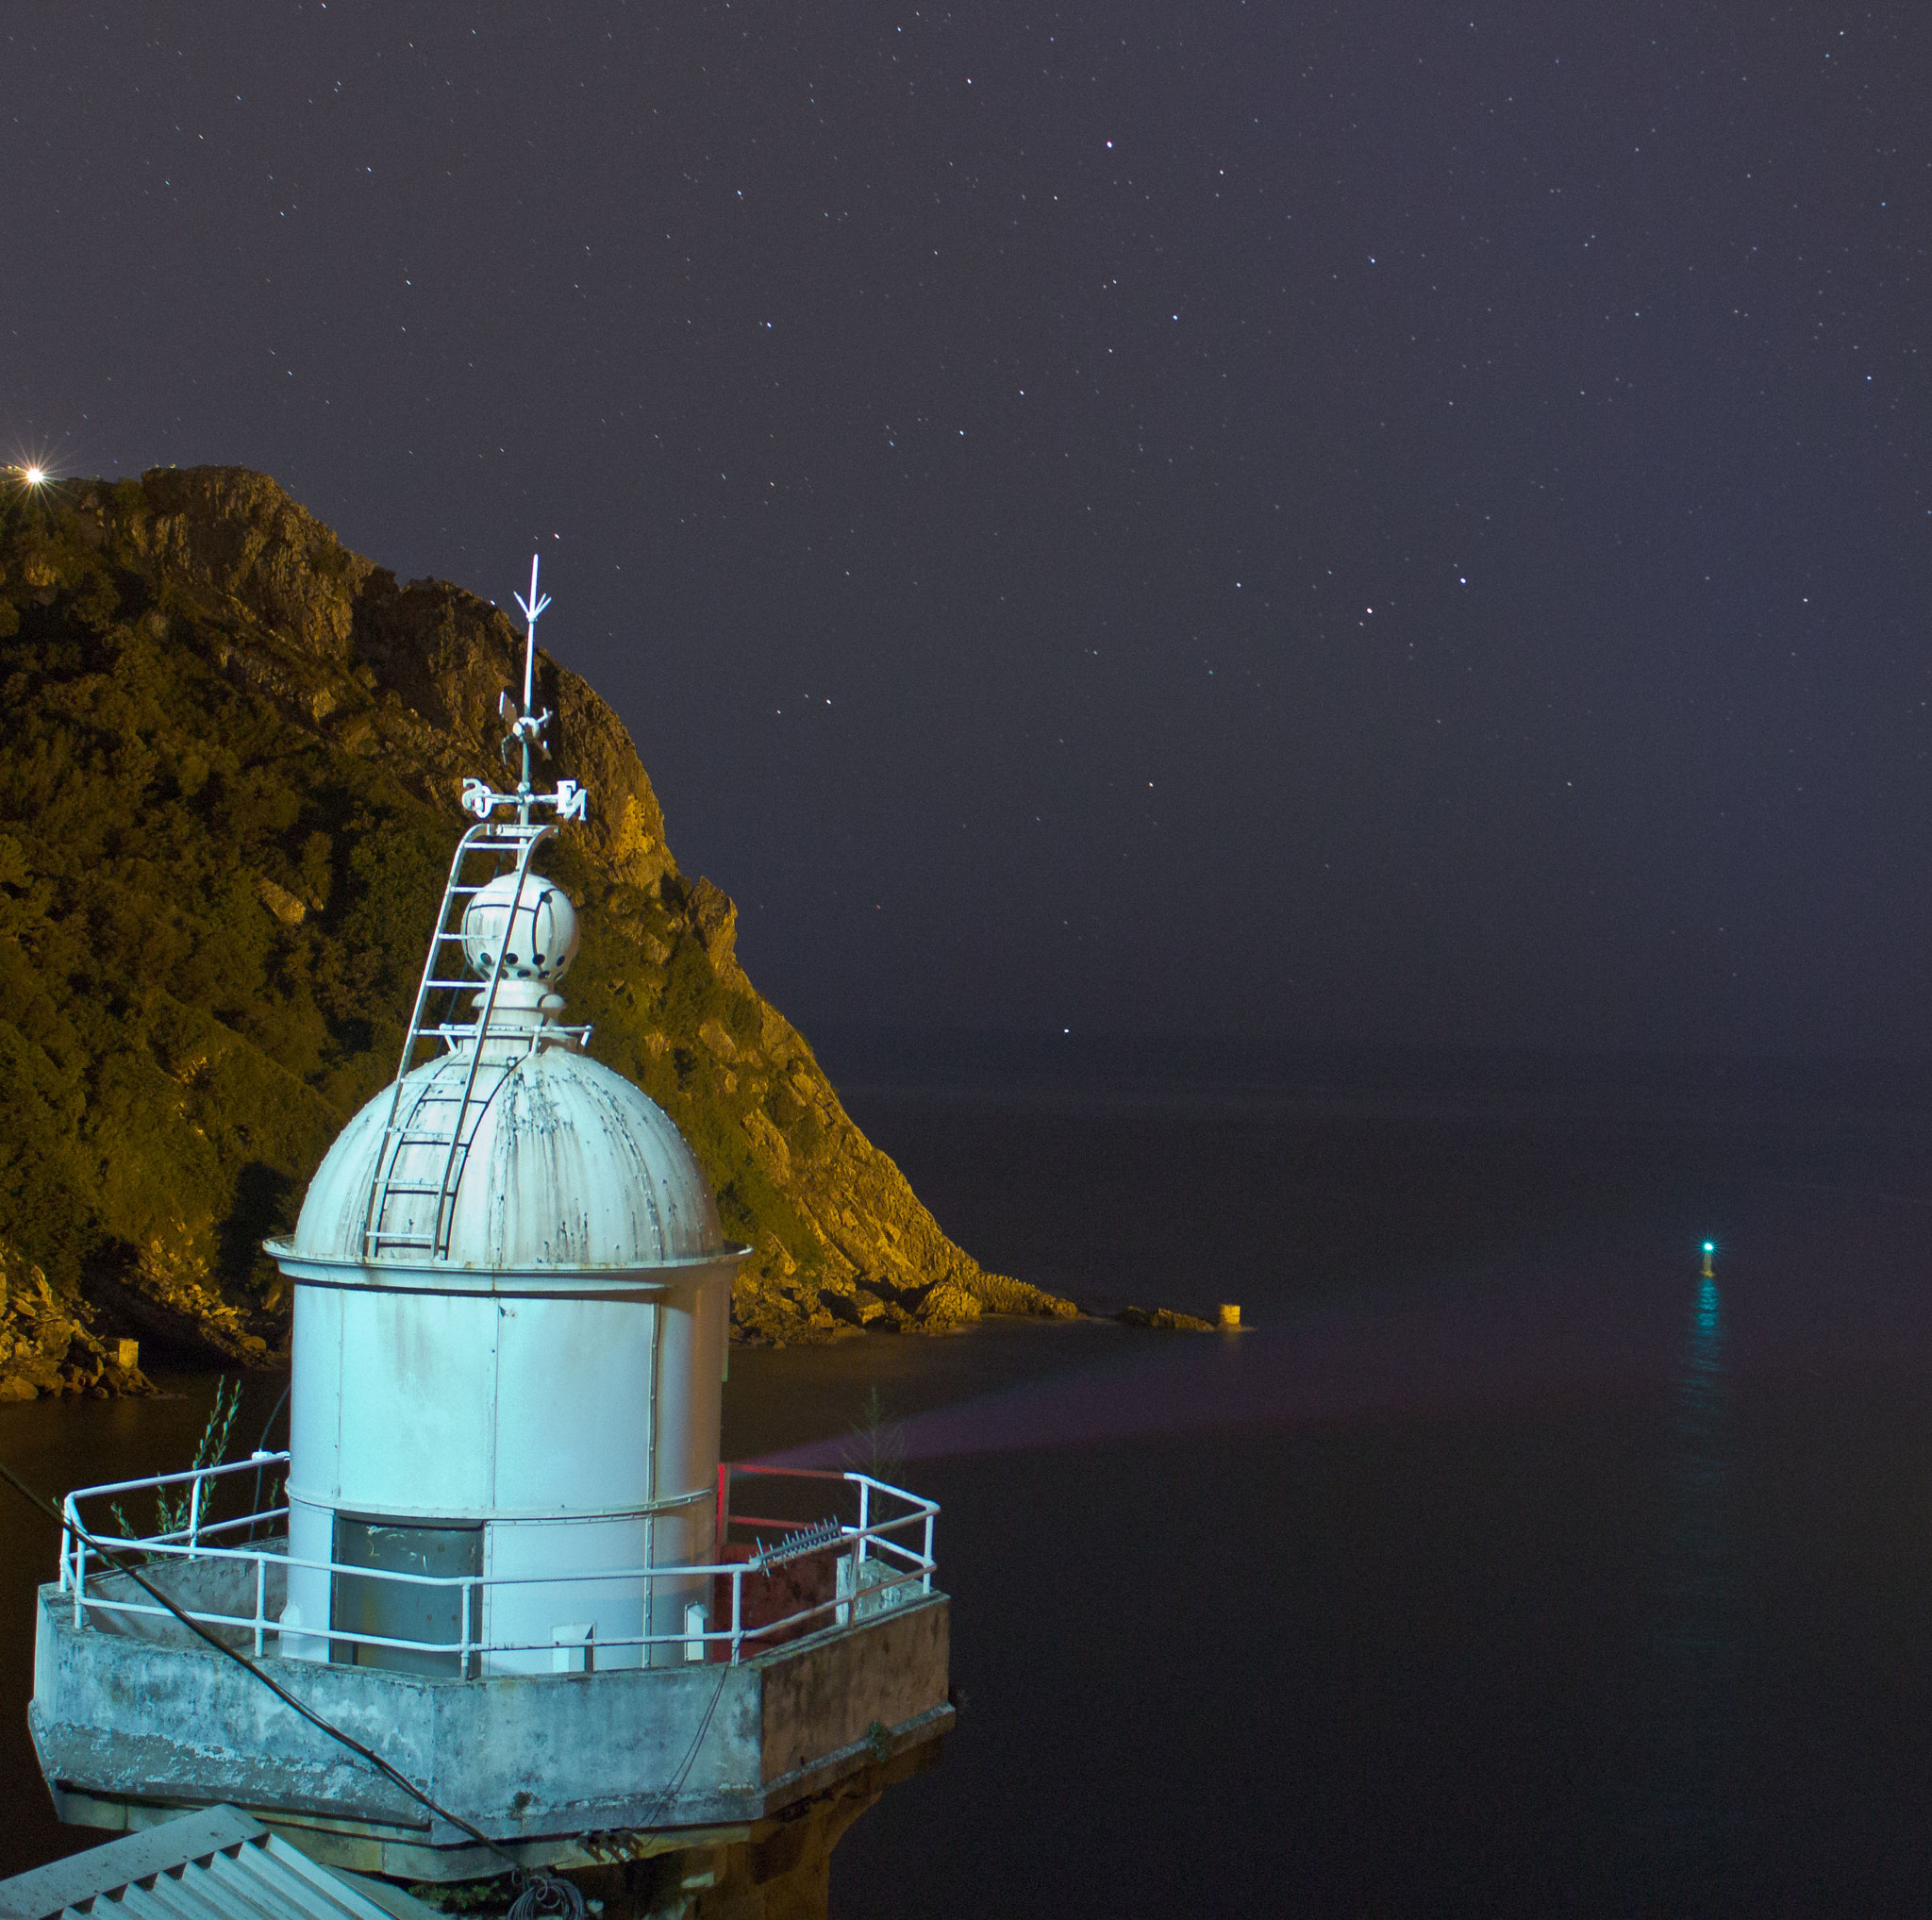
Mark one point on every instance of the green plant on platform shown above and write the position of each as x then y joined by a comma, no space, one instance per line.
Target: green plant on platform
876,1444
171,1516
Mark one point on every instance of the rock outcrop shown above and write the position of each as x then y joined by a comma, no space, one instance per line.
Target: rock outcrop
1165,1319
47,1346
231,761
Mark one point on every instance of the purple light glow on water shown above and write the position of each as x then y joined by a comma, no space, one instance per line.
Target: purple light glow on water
1479,1347
1416,1358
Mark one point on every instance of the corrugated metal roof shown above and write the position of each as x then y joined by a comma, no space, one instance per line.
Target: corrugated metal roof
219,1864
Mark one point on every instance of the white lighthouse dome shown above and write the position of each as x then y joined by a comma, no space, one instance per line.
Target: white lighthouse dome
565,1164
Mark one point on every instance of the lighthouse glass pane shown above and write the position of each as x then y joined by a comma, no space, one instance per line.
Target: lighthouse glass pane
402,1609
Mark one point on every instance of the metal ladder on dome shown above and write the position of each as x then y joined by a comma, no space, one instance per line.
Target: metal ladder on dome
499,849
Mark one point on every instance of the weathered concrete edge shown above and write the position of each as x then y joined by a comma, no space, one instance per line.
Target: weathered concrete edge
871,1690
382,1847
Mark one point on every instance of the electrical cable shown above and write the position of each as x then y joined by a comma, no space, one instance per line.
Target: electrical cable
547,1893
674,1785
261,1445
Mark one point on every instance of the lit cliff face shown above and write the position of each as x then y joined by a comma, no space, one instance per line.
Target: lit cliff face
227,808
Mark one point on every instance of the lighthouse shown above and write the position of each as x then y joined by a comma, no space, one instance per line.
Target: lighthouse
511,1308
508,1560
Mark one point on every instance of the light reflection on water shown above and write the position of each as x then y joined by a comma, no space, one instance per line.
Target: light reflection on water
1695,1675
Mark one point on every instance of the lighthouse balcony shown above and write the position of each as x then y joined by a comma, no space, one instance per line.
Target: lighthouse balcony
810,1654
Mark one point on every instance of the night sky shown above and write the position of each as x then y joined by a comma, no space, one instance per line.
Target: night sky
1365,525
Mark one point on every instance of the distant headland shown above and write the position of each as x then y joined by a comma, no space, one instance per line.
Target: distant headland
229,769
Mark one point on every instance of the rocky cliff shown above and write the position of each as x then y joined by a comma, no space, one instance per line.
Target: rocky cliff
48,1348
229,774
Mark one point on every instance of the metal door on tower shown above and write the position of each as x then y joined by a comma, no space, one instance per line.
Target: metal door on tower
403,1610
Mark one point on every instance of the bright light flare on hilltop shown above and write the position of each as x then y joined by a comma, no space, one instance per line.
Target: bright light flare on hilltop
30,474
30,478
33,464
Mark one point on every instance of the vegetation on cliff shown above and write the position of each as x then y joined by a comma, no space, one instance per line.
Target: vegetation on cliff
229,774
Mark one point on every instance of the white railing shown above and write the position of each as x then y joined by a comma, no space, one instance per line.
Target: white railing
875,1568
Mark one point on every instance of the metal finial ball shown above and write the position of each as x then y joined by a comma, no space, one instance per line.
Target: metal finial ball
537,933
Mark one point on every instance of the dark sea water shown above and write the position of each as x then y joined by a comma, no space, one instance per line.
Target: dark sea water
1506,1565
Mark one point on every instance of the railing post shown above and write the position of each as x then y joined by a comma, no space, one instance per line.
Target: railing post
925,1578
737,1613
463,1653
864,1503
260,1600
70,1528
194,1514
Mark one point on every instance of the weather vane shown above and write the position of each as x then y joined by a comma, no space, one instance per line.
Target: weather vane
526,732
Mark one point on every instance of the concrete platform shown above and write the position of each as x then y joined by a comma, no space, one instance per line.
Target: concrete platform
568,1770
